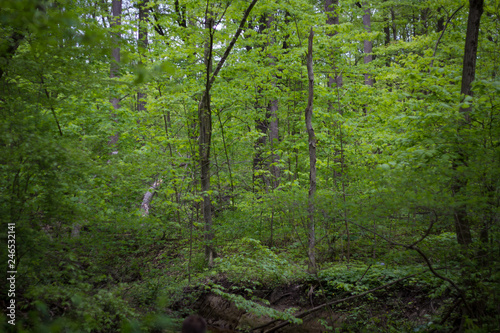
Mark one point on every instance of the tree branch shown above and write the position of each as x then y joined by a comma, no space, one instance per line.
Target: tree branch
51,107
319,307
440,36
426,259
231,44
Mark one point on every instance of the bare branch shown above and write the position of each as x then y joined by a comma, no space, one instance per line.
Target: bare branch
231,44
440,36
319,307
426,259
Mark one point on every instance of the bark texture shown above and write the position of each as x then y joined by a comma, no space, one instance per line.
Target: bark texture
312,156
273,114
332,18
274,140
268,125
470,54
262,126
116,21
205,123
462,224
148,197
367,44
142,43
115,61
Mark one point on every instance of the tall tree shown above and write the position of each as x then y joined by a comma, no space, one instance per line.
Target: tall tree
261,122
205,138
267,122
312,156
394,26
274,140
462,223
205,121
332,19
142,45
116,7
262,127
273,113
367,43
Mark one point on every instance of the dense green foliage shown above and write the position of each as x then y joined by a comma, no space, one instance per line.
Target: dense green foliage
389,158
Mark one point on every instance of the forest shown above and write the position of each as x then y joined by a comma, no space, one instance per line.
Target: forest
269,165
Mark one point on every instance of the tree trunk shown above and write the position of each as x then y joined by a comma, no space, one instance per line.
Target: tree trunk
312,157
115,67
142,43
142,46
367,44
440,21
334,81
148,197
331,10
462,224
205,125
274,140
115,61
471,43
424,16
387,33
268,126
262,126
394,30
273,124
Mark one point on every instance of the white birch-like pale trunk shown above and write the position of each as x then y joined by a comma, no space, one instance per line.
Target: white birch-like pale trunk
148,197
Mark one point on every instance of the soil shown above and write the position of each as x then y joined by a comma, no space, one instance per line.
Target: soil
395,303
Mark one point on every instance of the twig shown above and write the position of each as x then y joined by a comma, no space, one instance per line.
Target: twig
362,276
51,107
319,307
440,36
450,311
426,259
231,44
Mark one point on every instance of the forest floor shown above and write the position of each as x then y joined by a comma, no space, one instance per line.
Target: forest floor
396,308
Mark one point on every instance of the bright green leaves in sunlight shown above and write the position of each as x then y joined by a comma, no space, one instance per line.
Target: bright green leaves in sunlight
101,173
